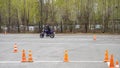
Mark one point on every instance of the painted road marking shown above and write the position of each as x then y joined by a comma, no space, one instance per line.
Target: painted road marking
53,61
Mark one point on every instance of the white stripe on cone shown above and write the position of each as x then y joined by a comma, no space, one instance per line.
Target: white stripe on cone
108,64
116,66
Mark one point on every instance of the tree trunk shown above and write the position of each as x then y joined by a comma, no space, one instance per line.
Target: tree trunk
0,23
18,25
86,27
24,20
61,27
9,12
41,15
28,21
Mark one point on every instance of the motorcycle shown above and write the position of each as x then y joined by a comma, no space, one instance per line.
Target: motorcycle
50,34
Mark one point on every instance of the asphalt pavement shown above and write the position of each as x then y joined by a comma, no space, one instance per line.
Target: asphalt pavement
83,51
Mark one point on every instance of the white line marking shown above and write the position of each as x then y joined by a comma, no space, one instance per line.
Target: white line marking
52,62
10,62
87,61
48,61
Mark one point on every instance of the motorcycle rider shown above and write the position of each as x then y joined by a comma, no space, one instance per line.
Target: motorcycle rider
47,29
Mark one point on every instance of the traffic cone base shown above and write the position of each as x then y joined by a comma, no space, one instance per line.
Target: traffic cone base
23,60
30,60
15,51
66,60
116,66
106,60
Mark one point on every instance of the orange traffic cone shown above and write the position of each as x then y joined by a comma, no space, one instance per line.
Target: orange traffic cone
30,59
106,59
94,37
117,64
23,56
15,48
112,61
66,58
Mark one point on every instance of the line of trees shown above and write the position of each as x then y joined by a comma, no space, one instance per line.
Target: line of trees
62,15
